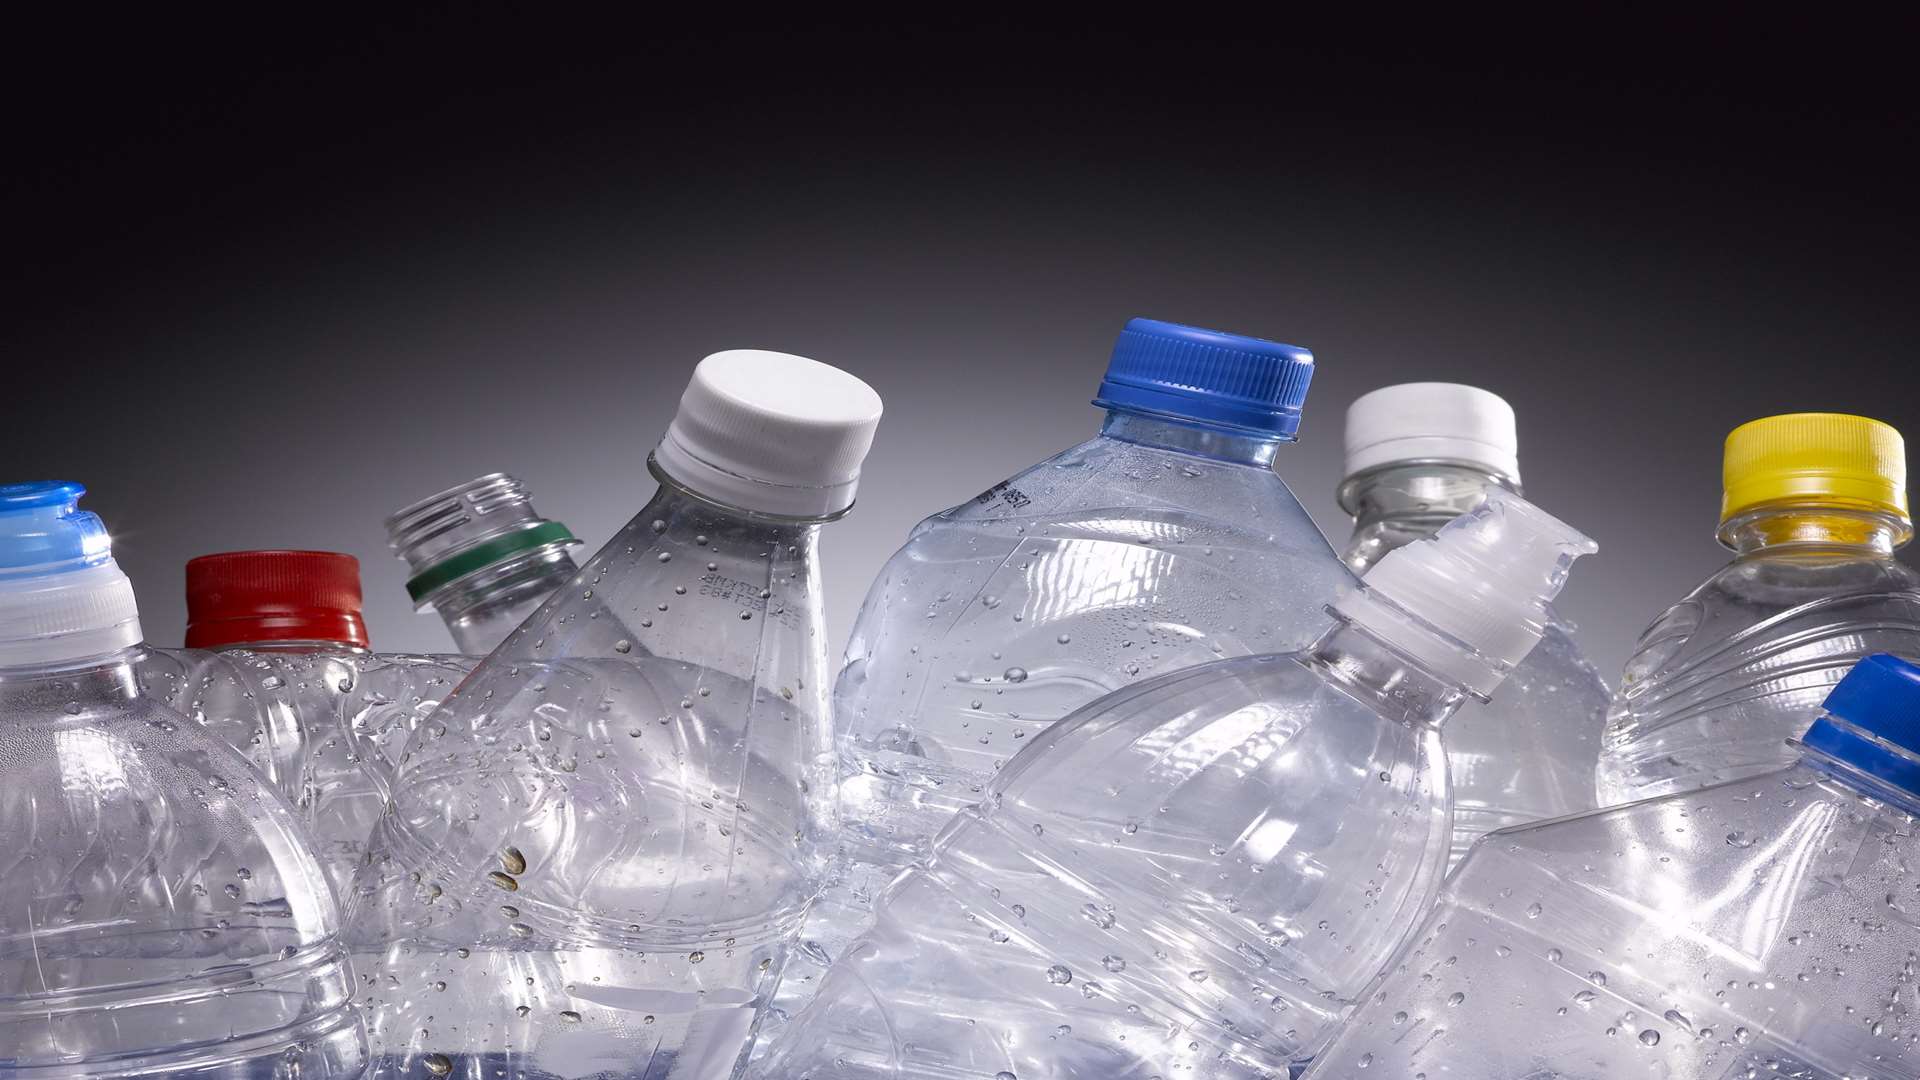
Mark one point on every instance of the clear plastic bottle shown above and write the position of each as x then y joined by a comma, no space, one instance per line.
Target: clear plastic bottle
601,843
1763,928
1198,875
1815,507
481,557
1419,455
1165,541
160,911
277,666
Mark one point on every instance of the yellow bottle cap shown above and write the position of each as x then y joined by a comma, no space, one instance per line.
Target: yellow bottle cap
1822,459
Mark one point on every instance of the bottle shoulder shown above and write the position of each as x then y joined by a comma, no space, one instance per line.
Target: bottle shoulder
1755,611
1106,478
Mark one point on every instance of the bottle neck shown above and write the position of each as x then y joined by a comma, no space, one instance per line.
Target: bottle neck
1816,530
1392,683
81,686
481,609
1394,505
1182,437
291,647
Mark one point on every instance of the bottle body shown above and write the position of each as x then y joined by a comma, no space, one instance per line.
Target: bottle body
1528,753
1721,681
324,726
1151,548
600,844
1757,928
160,911
1196,876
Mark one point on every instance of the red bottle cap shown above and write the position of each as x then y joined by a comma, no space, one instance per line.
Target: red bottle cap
254,597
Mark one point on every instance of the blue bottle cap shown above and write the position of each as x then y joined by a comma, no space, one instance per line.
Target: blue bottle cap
1872,721
43,529
1204,376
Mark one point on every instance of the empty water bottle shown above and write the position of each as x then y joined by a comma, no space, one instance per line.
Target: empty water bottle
481,557
1815,506
1761,928
601,843
160,911
1198,875
1419,455
1165,541
277,666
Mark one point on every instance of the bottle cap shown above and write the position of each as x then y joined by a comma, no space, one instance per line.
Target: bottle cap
1471,600
62,597
466,530
772,433
1239,384
1871,721
1433,421
258,597
1829,459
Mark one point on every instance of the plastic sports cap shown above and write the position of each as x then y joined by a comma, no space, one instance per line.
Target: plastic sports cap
62,597
1827,459
1433,421
1472,600
772,433
259,597
1239,384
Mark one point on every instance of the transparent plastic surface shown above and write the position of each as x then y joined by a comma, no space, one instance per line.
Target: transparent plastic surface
1195,877
1719,683
324,726
1529,753
600,844
160,911
1151,548
1759,929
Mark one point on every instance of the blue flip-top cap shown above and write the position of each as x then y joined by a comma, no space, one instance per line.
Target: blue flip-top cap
42,528
1207,377
1872,721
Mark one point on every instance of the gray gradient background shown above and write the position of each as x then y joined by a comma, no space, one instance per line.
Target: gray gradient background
271,283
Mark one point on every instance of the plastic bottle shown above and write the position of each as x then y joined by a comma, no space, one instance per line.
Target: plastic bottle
1419,455
481,557
601,843
1165,541
277,666
1762,928
1815,507
160,911
1198,875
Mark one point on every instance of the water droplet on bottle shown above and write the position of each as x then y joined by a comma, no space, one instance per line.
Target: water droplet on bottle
696,956
1649,1037
503,881
438,1064
1059,975
623,646
1113,963
515,862
1015,674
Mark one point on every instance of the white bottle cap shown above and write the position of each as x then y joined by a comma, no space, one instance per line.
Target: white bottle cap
62,597
1471,601
1433,421
772,433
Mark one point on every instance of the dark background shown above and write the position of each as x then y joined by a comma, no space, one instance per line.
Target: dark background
272,277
